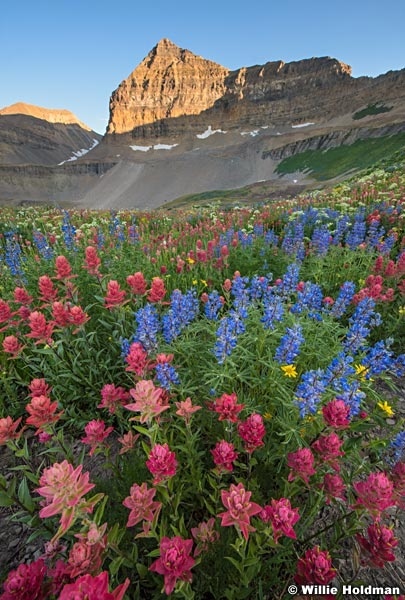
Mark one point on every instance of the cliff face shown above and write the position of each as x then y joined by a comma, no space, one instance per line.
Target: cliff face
173,92
170,82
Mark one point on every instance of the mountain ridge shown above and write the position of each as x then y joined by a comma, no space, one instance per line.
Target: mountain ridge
52,115
180,124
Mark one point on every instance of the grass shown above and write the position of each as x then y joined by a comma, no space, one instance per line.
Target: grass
256,192
327,164
371,109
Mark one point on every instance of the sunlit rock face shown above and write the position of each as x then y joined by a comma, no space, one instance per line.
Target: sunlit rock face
173,92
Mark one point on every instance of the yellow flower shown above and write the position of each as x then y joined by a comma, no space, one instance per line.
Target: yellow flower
401,310
267,416
289,371
204,282
190,260
361,370
385,407
195,281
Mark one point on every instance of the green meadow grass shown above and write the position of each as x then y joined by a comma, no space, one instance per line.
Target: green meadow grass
327,164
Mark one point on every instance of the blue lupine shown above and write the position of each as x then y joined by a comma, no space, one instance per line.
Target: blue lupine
273,310
290,280
374,233
343,300
166,375
387,245
353,396
339,367
148,327
289,346
226,339
357,233
42,245
309,299
363,318
397,448
342,225
271,238
213,306
246,239
320,240
238,316
258,287
378,358
258,229
355,337
100,239
12,256
240,293
116,228
69,231
183,310
309,392
365,312
133,235
293,242
125,346
398,366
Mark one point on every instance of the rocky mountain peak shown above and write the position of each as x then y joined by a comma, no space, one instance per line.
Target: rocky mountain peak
165,46
169,82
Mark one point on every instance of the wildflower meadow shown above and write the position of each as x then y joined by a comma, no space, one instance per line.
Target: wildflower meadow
202,403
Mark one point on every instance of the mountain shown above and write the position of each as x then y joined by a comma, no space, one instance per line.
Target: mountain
51,115
180,124
41,136
174,92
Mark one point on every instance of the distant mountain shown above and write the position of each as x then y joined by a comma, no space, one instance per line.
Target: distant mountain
180,124
52,115
41,136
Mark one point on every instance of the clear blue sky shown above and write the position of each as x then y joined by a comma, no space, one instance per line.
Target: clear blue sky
73,54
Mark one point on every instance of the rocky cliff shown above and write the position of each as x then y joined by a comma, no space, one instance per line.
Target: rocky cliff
174,92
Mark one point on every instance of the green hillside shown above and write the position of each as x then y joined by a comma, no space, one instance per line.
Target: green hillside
327,164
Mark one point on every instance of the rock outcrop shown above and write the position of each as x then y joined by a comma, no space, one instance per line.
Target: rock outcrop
174,92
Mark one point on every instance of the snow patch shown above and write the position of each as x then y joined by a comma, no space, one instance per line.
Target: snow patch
155,147
252,133
208,132
79,153
265,126
164,146
141,148
302,125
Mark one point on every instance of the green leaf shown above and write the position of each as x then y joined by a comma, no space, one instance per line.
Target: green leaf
5,499
115,565
235,563
24,495
142,570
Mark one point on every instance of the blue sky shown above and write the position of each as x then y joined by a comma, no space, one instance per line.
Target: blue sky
73,54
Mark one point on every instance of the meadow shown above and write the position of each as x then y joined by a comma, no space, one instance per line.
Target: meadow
194,402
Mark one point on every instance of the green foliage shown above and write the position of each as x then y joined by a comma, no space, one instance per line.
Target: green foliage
326,164
371,109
